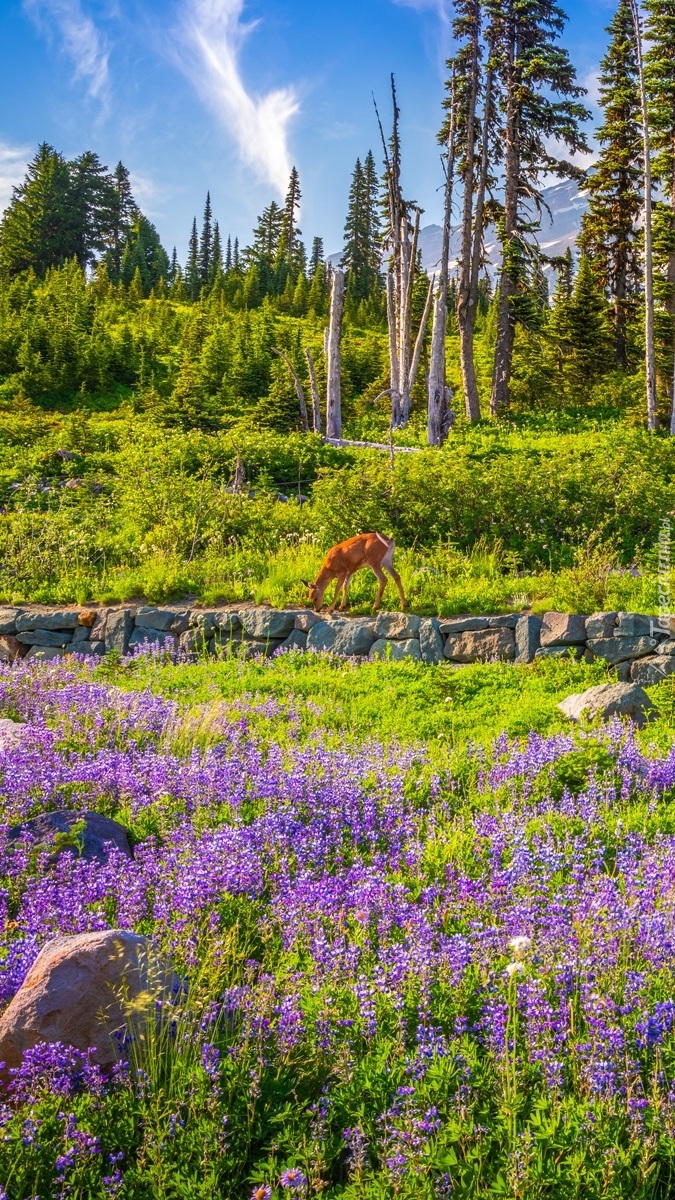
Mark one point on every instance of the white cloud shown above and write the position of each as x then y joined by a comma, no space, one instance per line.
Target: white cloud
13,163
441,8
84,45
213,34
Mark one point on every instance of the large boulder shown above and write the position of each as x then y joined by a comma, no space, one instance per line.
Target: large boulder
431,641
86,991
619,649
654,669
8,618
667,647
634,625
306,620
262,623
528,630
148,636
399,626
396,649
463,624
87,834
47,618
601,624
610,700
45,653
354,637
562,629
118,629
296,640
481,645
168,620
45,637
321,636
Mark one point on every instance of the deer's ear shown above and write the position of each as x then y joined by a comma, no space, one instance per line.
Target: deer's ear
305,583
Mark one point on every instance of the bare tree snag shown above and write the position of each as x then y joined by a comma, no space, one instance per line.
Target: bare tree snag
299,391
333,393
436,384
314,388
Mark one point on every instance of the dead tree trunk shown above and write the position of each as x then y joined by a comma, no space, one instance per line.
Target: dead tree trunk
506,325
314,388
468,298
436,400
402,240
650,360
334,357
299,390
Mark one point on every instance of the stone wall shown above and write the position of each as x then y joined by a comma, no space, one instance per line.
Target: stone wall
634,645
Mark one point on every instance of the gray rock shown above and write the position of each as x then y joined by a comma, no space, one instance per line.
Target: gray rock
321,636
194,641
44,653
45,637
81,634
251,649
601,625
91,843
99,626
654,669
615,650
562,629
12,733
304,621
354,638
560,652
463,624
8,618
297,640
431,641
667,647
261,623
508,621
94,649
165,619
227,621
203,620
622,670
47,618
400,626
481,645
118,629
395,649
610,700
528,629
11,648
633,625
142,635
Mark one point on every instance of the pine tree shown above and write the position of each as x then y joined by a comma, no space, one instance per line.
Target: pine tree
609,234
124,211
590,342
144,255
236,265
289,250
37,228
206,245
228,256
216,270
173,269
192,271
660,82
316,258
360,254
539,99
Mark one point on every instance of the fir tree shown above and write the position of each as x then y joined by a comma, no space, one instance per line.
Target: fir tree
124,210
206,245
236,265
539,98
609,235
316,257
216,270
228,256
192,271
290,250
590,343
660,81
361,254
144,255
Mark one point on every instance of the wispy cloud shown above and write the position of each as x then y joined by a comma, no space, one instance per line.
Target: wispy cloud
213,35
81,41
13,162
440,8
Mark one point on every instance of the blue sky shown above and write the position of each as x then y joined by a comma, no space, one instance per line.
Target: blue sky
228,94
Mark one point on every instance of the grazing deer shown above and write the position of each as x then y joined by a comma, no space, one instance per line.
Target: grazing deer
367,550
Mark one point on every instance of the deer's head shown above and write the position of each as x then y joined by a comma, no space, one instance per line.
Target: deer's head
316,591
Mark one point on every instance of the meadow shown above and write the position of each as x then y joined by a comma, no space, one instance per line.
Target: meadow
425,928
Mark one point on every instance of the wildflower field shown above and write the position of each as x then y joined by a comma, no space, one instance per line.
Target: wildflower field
437,965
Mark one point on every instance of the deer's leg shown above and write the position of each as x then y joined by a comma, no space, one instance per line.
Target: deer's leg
383,583
339,584
345,589
397,580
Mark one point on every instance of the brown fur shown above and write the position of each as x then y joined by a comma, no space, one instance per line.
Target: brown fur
342,561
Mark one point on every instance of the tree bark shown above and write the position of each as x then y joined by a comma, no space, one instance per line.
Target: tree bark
467,318
314,388
650,360
501,377
333,393
436,385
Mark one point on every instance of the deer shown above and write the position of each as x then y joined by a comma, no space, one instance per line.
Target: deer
342,561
